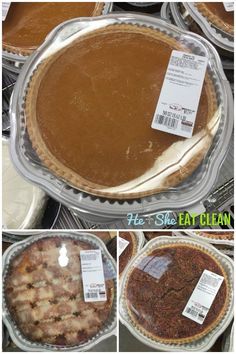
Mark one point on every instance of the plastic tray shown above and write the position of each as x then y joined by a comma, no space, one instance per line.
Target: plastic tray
140,243
206,342
109,327
14,62
194,189
198,236
214,34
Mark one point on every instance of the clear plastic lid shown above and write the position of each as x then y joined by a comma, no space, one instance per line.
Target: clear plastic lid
46,302
147,161
218,15
157,286
28,24
19,192
216,23
150,235
134,241
182,19
215,237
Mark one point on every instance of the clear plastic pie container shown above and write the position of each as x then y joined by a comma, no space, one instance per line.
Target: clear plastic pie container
225,249
19,192
199,235
165,12
182,19
228,340
206,341
155,234
142,4
140,241
215,34
14,62
109,326
187,193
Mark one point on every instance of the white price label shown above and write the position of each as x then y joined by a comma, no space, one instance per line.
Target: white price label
93,276
229,6
122,245
203,296
180,94
5,9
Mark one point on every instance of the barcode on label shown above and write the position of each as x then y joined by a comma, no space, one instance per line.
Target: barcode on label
88,257
192,312
94,286
178,101
92,295
203,296
167,121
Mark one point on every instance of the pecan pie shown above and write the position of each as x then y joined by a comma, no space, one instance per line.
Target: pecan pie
153,234
158,288
129,251
217,15
45,298
217,235
27,24
89,110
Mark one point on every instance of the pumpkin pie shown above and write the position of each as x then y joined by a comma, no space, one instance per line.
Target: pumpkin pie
129,252
89,110
158,288
27,24
215,13
45,295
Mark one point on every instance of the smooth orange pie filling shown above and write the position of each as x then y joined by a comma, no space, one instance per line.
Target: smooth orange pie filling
27,24
90,108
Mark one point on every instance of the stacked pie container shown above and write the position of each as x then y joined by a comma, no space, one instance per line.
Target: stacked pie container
14,62
109,327
218,36
206,341
140,241
187,17
99,209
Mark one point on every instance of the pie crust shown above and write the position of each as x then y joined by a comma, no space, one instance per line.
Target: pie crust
156,309
217,19
153,234
217,235
45,299
139,176
51,18
129,251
